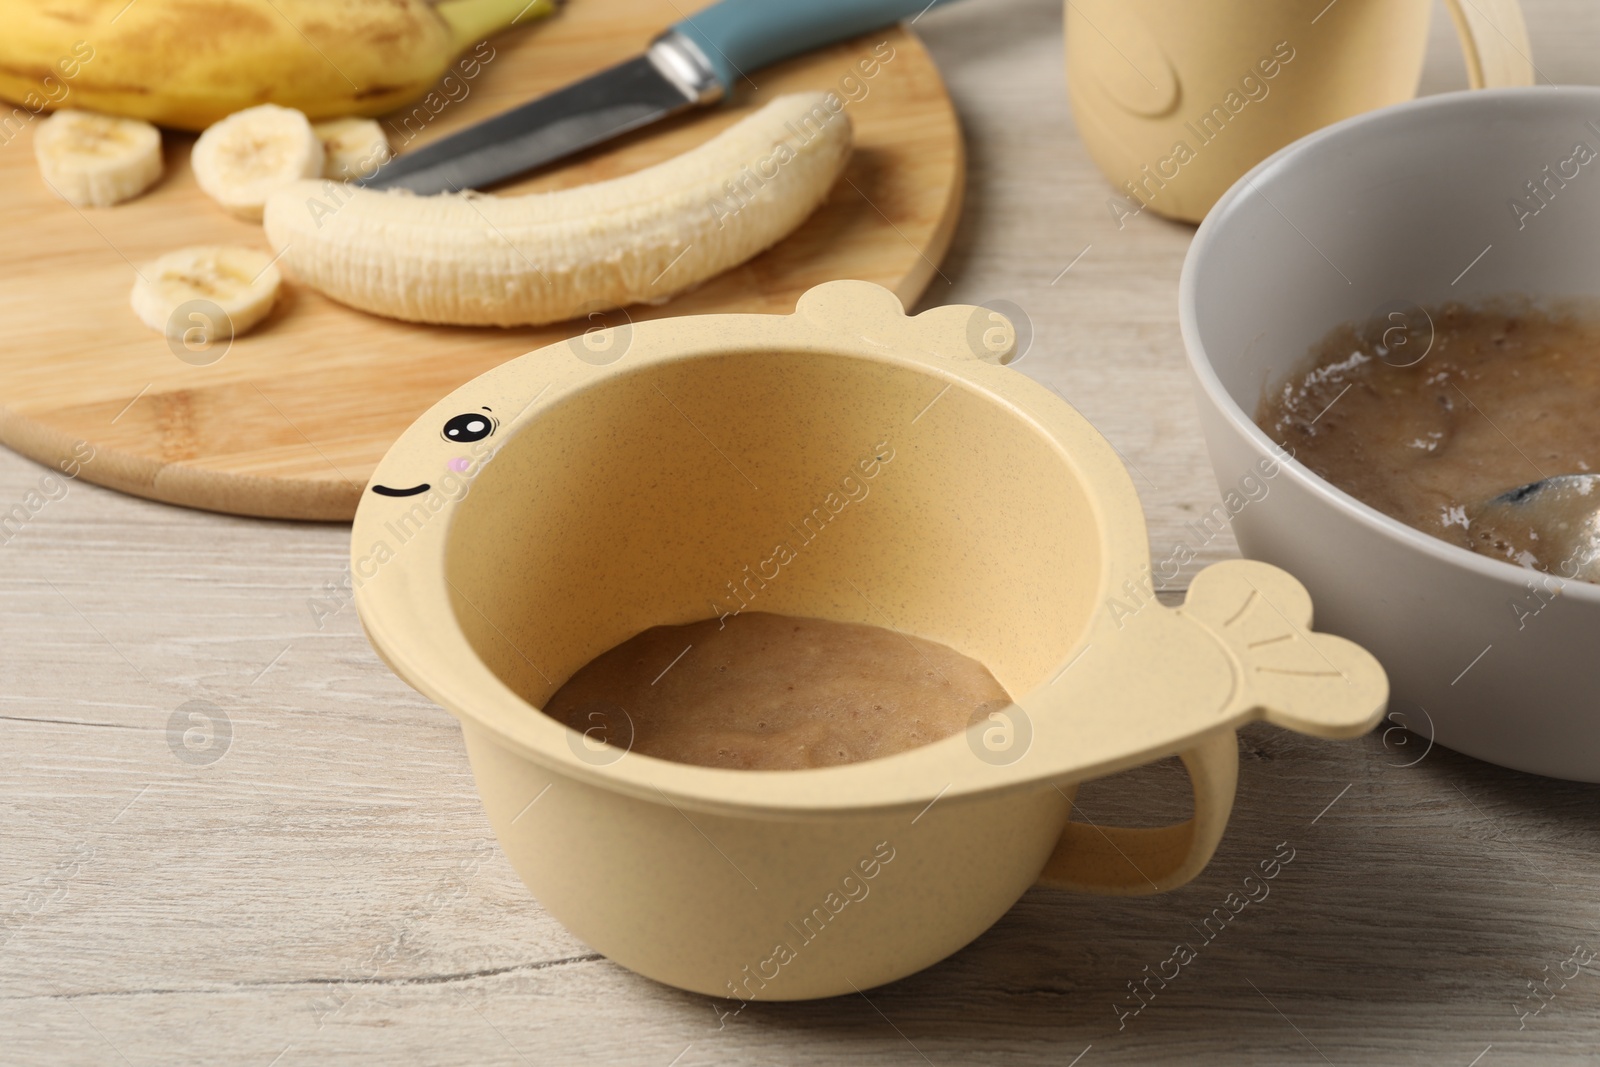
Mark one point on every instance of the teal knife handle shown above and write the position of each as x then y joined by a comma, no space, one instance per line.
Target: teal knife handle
740,36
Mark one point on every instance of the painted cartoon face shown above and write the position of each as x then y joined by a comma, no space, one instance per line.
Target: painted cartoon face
465,428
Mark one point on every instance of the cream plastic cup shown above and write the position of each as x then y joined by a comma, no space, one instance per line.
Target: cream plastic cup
1175,101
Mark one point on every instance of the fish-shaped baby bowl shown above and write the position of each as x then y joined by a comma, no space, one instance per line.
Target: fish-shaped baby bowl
844,462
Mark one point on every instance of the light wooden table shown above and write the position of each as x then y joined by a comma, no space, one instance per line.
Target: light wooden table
327,890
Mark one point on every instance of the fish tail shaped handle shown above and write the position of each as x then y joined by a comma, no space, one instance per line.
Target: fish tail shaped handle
1252,621
1312,683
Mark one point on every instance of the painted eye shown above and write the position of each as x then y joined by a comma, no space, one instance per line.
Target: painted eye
472,426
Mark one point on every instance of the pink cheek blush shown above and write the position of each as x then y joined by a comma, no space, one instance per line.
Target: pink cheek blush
459,464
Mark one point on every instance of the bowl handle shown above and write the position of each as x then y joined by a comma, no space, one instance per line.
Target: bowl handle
1313,683
1129,861
1252,622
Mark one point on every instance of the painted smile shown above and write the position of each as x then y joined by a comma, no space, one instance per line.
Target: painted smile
384,490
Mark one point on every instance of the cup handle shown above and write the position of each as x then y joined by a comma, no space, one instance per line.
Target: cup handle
1494,40
1253,621
1132,861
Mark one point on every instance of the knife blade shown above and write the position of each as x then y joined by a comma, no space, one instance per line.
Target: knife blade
632,94
694,63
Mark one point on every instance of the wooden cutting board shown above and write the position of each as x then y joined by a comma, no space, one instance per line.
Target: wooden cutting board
291,421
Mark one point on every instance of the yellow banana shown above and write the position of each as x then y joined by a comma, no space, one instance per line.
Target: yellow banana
189,63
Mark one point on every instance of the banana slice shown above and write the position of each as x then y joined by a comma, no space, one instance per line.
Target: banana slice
488,260
354,148
95,160
208,293
243,159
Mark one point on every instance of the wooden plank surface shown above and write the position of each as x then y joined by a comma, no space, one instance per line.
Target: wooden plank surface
327,890
290,419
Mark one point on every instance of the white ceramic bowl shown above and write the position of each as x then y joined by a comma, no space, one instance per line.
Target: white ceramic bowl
1411,204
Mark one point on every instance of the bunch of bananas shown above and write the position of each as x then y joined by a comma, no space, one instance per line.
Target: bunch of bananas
189,63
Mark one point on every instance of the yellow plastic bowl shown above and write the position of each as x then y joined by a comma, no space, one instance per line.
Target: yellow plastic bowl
844,462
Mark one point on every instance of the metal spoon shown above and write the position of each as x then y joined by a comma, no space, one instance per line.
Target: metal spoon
1554,522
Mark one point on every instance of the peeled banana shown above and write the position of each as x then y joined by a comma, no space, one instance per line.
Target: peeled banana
97,160
470,259
206,294
189,63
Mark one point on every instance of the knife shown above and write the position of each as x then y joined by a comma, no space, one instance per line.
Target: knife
694,63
